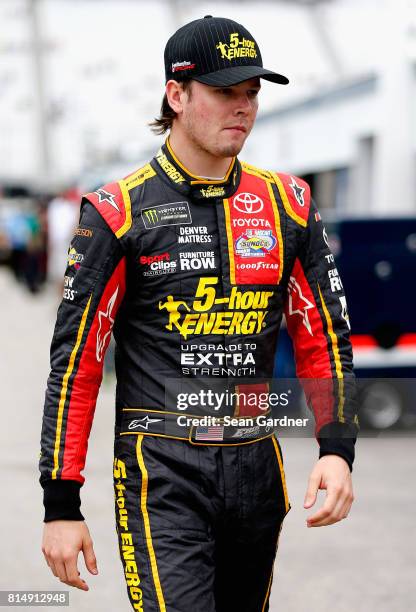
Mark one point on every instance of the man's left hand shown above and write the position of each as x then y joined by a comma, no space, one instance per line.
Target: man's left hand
332,473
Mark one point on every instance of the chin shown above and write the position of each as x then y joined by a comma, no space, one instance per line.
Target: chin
231,149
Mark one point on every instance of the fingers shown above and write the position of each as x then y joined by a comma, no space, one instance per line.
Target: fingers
73,575
312,490
61,571
89,556
336,507
64,567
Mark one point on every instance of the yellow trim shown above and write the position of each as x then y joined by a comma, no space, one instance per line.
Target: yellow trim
143,506
268,590
263,174
196,416
141,433
282,472
271,573
226,443
338,365
127,206
230,240
200,180
65,388
140,176
286,201
278,230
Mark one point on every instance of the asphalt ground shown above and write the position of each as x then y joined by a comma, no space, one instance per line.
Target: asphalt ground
364,563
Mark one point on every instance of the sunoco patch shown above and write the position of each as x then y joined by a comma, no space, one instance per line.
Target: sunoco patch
174,213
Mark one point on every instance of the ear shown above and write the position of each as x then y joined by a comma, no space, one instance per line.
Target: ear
175,93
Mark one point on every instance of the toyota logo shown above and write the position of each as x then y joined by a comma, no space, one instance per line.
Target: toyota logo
248,203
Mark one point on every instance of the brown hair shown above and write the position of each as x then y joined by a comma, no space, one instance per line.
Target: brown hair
160,125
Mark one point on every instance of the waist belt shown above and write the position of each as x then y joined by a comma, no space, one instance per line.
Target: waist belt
196,429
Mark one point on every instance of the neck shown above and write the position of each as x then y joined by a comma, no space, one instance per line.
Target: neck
196,160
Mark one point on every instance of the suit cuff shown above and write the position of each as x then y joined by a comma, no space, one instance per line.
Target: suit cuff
338,439
62,501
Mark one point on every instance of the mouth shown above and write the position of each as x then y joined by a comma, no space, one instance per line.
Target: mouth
239,128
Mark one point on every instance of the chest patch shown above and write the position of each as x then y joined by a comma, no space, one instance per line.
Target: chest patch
254,236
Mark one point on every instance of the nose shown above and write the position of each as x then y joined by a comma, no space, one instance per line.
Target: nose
244,104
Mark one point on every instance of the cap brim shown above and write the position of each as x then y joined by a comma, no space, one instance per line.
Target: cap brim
238,74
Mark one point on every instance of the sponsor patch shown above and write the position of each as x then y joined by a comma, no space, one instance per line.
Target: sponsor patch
237,47
213,192
83,231
253,222
169,168
257,265
248,203
243,312
246,432
194,234
69,292
157,265
335,280
75,258
182,66
197,260
174,213
255,243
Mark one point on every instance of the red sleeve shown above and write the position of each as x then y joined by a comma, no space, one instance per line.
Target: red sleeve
318,323
94,286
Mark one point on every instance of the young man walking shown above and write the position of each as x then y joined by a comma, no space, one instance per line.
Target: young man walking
191,262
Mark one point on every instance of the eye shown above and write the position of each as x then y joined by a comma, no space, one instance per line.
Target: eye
253,93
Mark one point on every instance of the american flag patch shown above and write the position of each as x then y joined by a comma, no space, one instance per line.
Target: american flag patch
317,216
212,432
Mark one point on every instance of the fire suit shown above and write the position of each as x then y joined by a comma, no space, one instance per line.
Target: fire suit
192,276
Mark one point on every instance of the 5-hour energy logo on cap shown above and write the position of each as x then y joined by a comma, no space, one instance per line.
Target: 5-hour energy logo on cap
238,47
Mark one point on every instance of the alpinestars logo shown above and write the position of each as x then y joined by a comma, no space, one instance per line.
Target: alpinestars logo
105,325
298,303
144,423
242,312
105,196
298,192
344,311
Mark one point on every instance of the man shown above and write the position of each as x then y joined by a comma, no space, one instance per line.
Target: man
191,261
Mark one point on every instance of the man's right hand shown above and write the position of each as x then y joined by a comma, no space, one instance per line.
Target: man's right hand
62,541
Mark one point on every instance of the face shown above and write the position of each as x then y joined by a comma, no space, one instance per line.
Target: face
218,119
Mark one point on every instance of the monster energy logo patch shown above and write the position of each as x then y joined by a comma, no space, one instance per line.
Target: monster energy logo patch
174,213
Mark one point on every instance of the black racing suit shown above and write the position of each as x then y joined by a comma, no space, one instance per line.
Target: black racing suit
193,276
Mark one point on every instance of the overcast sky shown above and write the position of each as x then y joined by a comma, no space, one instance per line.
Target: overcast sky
104,65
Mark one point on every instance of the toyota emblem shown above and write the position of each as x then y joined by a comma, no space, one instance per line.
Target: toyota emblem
248,203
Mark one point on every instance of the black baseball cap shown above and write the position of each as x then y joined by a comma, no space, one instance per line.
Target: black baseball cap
215,51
